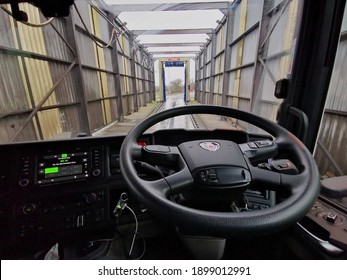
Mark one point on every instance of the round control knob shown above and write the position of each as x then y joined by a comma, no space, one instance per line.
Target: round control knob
96,172
28,209
91,198
23,182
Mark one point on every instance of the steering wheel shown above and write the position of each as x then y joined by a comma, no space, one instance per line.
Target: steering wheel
218,164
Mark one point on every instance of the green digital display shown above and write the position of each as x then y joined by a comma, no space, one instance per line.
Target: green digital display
51,170
61,166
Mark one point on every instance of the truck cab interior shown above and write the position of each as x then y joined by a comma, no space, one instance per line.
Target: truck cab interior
171,193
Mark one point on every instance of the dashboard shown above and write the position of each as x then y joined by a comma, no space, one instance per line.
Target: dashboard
67,189
53,190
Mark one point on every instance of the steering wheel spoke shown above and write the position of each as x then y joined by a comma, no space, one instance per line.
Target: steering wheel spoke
159,187
180,181
161,155
263,179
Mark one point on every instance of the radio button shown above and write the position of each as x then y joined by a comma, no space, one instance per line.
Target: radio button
91,198
96,172
29,209
23,182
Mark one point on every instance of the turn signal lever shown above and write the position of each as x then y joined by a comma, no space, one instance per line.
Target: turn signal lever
281,166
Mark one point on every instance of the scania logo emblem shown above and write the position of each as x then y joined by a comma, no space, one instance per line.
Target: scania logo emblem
210,146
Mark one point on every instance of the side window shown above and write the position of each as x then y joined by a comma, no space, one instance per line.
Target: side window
331,147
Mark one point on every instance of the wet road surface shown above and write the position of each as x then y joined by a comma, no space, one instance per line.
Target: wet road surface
174,100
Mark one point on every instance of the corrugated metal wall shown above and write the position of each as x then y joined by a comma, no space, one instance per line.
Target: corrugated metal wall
239,78
331,149
61,63
258,51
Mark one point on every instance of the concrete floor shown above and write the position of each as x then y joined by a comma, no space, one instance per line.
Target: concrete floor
173,100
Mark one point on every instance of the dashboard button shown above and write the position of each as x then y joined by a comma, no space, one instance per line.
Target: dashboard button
263,143
91,198
23,182
96,172
252,145
331,218
29,209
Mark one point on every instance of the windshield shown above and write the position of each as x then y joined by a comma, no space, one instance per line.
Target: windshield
80,75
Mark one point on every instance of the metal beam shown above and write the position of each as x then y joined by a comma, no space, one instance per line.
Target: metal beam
71,34
157,56
227,56
133,73
174,44
117,9
213,70
174,52
117,79
173,31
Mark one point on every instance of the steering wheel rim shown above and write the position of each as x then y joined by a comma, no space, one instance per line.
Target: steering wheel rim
303,188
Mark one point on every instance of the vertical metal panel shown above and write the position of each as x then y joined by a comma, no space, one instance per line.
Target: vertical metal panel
122,84
331,151
32,39
12,87
333,135
208,70
37,68
85,13
66,91
231,77
86,49
268,87
6,30
250,47
220,39
266,110
69,117
114,109
55,46
254,8
108,59
111,87
337,97
10,125
233,56
126,109
219,64
96,116
236,31
208,80
218,84
244,105
344,22
50,123
208,51
121,68
246,82
91,84
279,33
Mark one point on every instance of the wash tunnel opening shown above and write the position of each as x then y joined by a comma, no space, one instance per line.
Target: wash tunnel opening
174,80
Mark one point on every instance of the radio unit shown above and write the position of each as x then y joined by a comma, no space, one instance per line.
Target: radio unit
66,166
